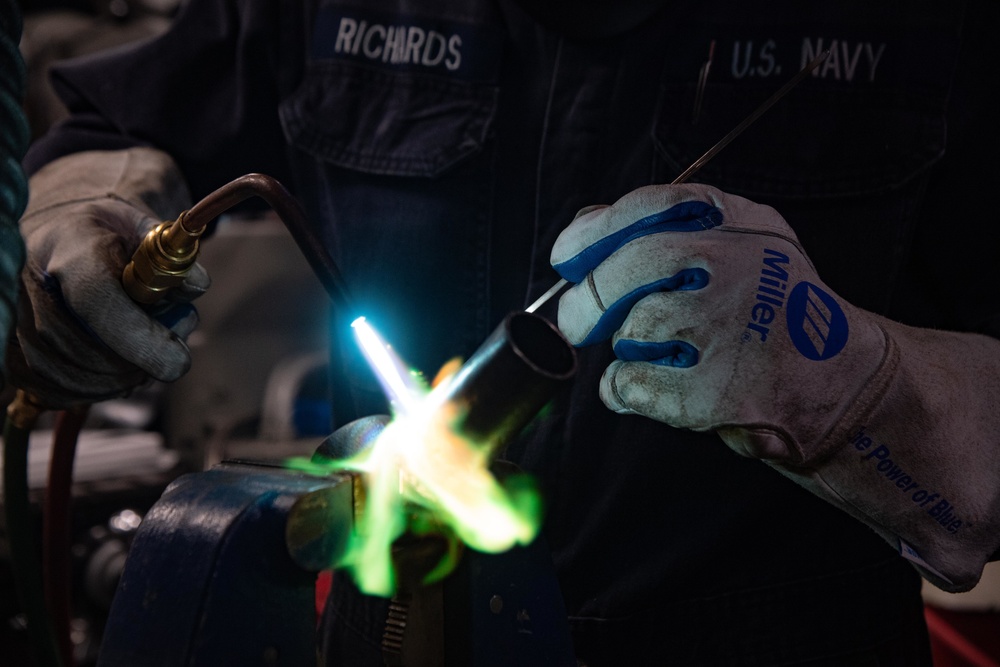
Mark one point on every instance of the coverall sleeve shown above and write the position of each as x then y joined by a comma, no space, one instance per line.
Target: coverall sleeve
206,92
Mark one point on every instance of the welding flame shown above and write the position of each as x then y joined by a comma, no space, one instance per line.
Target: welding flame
400,388
421,462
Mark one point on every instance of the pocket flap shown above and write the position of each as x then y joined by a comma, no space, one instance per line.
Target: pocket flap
832,143
384,122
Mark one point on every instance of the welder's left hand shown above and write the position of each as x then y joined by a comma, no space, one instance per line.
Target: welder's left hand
720,323
694,288
80,338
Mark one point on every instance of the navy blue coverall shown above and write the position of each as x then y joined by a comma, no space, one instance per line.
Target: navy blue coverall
441,146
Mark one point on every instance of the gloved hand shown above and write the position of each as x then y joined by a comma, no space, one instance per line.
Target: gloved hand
720,323
80,338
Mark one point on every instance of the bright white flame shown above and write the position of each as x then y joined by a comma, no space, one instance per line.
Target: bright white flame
401,391
419,460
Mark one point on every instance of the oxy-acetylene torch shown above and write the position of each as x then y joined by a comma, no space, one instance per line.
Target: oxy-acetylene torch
492,397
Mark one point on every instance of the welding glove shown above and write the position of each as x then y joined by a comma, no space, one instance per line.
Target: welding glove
79,337
719,322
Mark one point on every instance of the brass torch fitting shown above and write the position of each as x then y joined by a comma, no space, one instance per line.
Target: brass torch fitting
162,261
24,410
168,252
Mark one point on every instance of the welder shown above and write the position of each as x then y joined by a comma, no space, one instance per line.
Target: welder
822,298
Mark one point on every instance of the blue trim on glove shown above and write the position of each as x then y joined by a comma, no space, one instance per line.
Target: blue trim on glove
689,216
611,320
169,315
674,353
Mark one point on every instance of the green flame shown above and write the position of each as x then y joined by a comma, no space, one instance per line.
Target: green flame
421,476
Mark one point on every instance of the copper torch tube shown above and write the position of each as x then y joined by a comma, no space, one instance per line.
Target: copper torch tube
169,251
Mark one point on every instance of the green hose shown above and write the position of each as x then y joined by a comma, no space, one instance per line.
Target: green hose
14,137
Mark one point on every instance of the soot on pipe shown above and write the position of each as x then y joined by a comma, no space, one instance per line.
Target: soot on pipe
498,391
510,378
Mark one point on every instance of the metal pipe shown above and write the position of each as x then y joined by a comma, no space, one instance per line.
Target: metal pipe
512,375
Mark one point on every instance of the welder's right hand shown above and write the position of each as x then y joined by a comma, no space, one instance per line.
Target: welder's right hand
721,323
80,338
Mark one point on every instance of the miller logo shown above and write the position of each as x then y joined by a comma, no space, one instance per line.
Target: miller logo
770,292
816,323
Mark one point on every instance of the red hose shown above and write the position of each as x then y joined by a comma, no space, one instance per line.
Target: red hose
57,538
944,632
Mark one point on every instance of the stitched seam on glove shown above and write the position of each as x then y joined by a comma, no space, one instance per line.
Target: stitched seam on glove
83,200
613,383
861,407
594,292
146,178
762,232
151,200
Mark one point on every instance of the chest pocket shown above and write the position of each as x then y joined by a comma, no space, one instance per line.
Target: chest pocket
395,123
817,142
845,162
